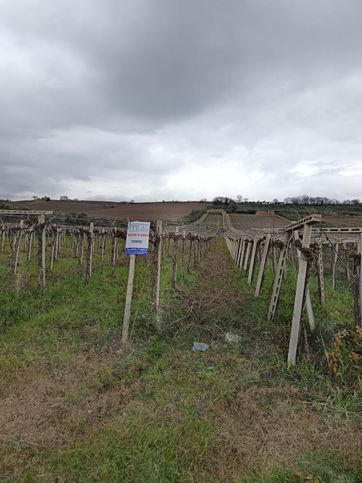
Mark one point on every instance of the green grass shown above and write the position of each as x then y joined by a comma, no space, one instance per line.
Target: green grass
317,468
159,411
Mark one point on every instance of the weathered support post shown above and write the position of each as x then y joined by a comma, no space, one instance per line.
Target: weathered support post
190,256
243,250
81,255
158,265
252,261
299,297
114,250
238,252
278,278
90,251
183,253
248,247
309,307
41,250
2,238
102,240
57,243
16,247
348,272
52,253
360,279
128,304
262,265
30,243
320,274
334,266
174,264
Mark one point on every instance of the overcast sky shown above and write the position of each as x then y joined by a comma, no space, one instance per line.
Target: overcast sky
180,99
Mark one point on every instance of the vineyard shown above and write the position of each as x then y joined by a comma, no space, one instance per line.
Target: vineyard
99,381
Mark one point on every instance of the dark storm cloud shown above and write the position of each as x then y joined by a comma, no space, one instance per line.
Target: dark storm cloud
99,91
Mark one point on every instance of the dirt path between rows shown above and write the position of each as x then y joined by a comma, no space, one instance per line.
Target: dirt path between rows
263,424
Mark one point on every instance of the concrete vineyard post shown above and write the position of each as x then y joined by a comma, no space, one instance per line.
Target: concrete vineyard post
16,247
41,252
278,279
299,297
82,235
346,261
309,307
90,251
247,255
360,279
190,256
334,266
158,266
320,274
3,238
52,254
262,265
252,261
128,304
31,235
243,249
174,265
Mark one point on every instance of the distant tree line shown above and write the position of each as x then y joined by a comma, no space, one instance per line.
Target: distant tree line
227,202
318,200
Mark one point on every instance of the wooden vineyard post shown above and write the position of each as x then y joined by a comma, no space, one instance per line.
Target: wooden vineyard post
360,280
243,248
16,247
252,261
308,299
52,254
90,251
190,256
320,274
183,253
2,238
102,245
262,265
114,250
247,255
348,273
334,266
128,304
158,266
309,307
31,236
57,244
237,260
82,235
41,251
174,264
299,297
278,278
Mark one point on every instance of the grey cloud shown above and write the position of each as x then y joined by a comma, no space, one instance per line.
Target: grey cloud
115,89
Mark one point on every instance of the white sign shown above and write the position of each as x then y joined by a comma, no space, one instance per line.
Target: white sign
138,234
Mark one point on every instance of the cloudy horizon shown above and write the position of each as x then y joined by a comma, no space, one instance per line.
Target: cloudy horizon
170,100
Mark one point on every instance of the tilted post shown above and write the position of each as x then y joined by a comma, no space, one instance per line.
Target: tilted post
252,261
278,278
262,265
247,255
299,297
